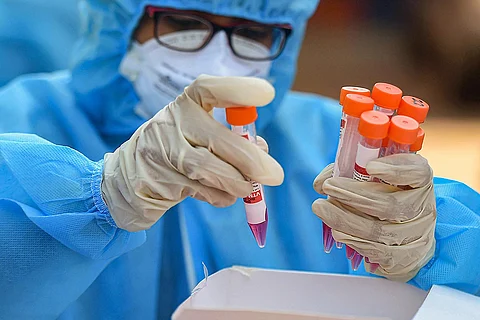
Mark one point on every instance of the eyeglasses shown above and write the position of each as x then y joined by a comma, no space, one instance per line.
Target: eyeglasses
250,41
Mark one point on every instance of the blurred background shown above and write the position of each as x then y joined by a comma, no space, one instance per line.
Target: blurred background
36,36
430,49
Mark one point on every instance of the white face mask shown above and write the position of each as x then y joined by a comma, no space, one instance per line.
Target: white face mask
160,74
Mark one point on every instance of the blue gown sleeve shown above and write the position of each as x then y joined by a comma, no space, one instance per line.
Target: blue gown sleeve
456,262
56,233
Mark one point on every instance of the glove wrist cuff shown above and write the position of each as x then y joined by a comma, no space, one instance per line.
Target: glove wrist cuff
95,186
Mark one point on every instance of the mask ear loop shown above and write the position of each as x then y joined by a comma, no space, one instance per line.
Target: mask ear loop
130,68
131,62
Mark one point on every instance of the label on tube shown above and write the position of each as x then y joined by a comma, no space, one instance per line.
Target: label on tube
364,156
255,205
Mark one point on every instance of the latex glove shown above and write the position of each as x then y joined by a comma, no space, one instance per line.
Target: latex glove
391,226
183,152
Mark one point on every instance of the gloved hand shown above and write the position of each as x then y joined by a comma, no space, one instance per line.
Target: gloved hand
183,152
392,226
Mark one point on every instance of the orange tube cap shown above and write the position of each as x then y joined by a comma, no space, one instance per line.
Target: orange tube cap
403,130
414,108
354,104
350,89
373,125
418,144
241,116
386,95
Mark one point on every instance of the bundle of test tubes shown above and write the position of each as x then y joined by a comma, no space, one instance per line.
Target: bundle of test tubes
374,125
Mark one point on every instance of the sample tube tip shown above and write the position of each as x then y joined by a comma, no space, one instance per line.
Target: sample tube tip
356,261
328,241
350,253
374,267
259,231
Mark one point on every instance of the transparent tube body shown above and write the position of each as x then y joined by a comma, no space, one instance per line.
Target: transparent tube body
368,149
347,147
382,152
390,113
392,148
344,163
395,147
255,205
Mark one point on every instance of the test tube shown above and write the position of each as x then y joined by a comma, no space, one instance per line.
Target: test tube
344,91
402,134
242,121
417,109
387,98
384,147
353,106
327,232
417,145
352,89
414,108
373,129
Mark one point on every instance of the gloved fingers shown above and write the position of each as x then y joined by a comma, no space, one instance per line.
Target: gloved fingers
262,144
223,92
200,130
381,200
399,263
338,217
213,196
326,173
388,256
201,165
248,158
346,219
165,188
402,170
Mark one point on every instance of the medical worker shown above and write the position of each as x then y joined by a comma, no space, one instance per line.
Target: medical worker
113,191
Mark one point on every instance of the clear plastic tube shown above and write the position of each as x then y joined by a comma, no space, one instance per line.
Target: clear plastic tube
392,148
417,146
383,147
402,135
373,129
368,149
328,240
343,167
396,147
389,112
346,152
353,106
387,99
255,205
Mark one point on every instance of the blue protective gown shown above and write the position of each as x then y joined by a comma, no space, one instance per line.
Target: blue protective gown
61,255
36,36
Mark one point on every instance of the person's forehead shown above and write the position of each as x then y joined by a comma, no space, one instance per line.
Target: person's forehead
219,19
